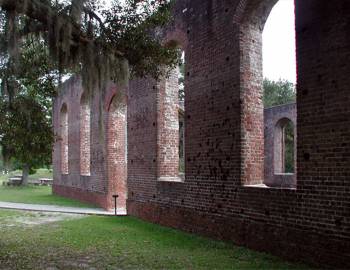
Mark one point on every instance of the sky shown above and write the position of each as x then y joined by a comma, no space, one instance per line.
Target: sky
279,61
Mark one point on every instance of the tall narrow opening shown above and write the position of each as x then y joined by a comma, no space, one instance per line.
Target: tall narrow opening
116,151
85,123
171,124
64,139
279,95
268,77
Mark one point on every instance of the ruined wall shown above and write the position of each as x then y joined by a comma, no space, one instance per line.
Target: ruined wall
86,176
221,194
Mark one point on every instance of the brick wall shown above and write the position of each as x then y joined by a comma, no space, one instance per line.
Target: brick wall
224,135
89,177
225,139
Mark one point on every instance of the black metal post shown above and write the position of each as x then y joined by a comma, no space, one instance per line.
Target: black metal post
115,196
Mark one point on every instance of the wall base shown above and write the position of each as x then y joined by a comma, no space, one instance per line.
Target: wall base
291,244
83,196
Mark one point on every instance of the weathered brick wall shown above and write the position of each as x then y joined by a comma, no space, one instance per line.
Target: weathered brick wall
89,178
224,135
273,117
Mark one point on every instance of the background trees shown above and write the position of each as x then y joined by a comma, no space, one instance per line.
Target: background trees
42,40
278,92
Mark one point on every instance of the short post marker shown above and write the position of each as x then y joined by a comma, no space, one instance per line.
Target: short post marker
115,196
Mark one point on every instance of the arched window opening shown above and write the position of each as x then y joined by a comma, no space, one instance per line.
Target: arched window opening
85,127
284,147
64,139
268,81
117,150
279,70
171,124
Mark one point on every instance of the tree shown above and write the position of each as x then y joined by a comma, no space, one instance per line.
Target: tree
26,133
101,43
278,92
77,36
25,116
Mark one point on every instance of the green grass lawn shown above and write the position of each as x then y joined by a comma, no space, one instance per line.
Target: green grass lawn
35,194
120,243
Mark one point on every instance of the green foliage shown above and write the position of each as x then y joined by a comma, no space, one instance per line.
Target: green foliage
41,40
26,105
26,132
101,43
278,93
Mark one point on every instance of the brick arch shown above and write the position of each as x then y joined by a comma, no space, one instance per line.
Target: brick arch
254,12
64,127
283,121
279,144
85,135
117,151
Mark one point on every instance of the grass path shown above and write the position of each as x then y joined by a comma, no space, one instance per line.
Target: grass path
119,243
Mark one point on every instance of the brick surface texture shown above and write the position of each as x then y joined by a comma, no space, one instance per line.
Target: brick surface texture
222,195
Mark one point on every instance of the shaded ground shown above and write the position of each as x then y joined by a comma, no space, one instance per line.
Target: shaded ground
92,242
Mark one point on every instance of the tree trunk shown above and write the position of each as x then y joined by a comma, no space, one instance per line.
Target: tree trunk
25,174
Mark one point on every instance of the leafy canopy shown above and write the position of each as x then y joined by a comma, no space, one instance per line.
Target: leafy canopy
85,36
42,40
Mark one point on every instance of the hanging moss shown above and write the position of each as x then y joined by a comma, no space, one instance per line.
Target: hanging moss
111,47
